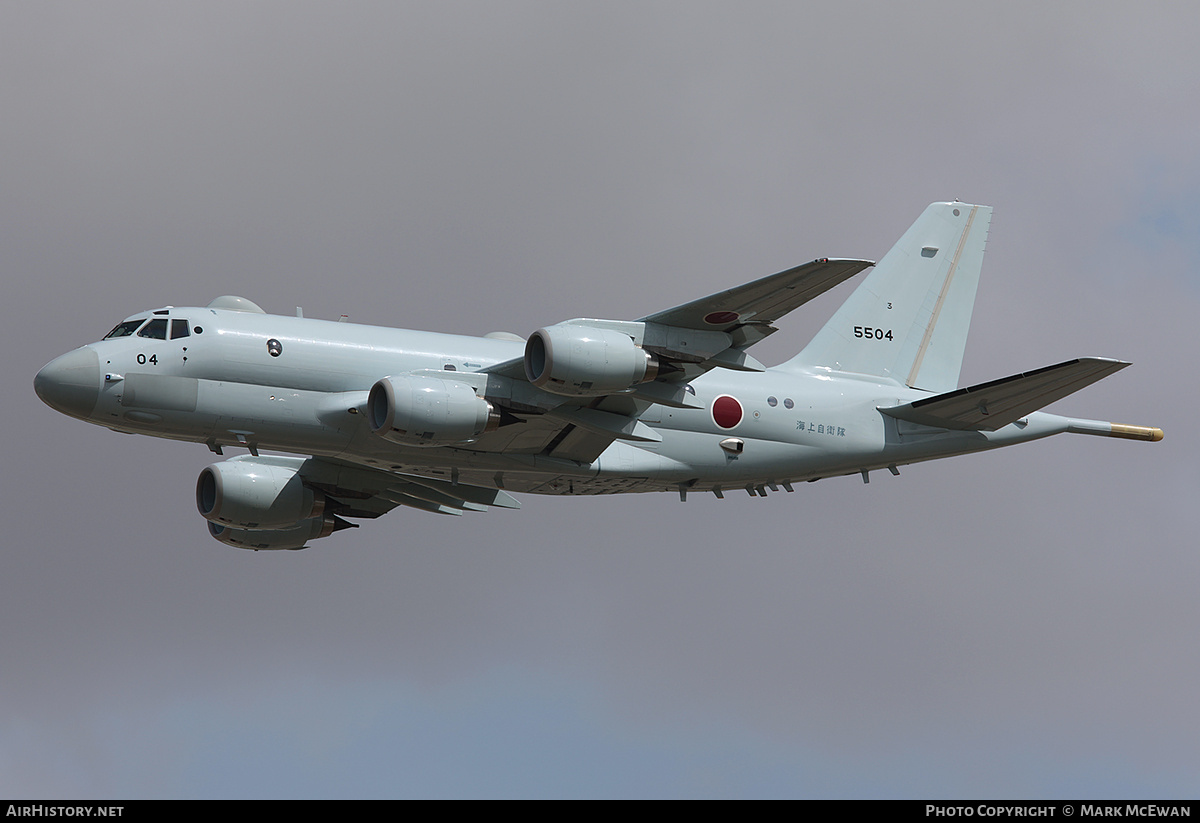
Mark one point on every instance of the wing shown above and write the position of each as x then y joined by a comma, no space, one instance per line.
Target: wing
747,313
687,341
760,303
281,502
357,491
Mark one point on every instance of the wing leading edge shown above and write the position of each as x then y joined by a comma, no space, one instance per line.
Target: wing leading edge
746,313
763,301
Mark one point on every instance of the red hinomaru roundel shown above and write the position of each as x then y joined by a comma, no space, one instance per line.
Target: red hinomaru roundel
721,318
726,411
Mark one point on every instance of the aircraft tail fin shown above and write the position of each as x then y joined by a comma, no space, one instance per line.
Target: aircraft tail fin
909,318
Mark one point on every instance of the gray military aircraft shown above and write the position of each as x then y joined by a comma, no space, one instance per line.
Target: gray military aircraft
671,402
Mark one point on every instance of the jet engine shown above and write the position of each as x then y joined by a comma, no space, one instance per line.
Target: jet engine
256,495
292,538
427,411
580,361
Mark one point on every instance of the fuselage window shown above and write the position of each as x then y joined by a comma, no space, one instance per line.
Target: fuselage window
772,402
125,329
179,328
156,329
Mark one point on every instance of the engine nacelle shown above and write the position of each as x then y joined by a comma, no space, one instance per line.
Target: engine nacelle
577,361
290,539
427,411
254,495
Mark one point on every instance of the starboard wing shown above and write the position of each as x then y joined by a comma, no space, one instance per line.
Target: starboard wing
691,339
762,302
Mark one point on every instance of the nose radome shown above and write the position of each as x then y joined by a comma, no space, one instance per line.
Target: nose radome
70,383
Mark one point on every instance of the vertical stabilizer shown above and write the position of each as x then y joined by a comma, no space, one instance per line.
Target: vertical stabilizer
909,318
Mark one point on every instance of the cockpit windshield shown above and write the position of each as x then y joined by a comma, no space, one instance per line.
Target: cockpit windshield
156,329
125,329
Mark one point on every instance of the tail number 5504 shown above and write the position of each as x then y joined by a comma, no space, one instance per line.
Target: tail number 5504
872,334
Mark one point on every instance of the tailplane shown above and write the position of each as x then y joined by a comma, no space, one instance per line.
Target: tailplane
909,319
993,405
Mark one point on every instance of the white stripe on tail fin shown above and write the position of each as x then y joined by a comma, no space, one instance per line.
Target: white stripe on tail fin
909,319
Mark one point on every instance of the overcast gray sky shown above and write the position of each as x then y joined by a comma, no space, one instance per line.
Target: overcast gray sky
1022,623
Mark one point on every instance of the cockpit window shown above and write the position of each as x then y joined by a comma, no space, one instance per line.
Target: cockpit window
125,329
155,329
179,328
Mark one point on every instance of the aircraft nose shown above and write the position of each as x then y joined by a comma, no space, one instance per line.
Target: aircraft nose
71,383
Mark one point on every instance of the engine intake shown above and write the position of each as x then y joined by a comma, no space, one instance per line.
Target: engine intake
255,495
581,361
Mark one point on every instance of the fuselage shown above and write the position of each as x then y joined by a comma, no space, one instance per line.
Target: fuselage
232,378
365,419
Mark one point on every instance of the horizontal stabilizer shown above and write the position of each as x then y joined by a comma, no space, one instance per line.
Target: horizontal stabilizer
991,406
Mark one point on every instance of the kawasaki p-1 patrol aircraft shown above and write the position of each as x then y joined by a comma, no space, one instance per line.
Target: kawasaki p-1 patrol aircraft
671,402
